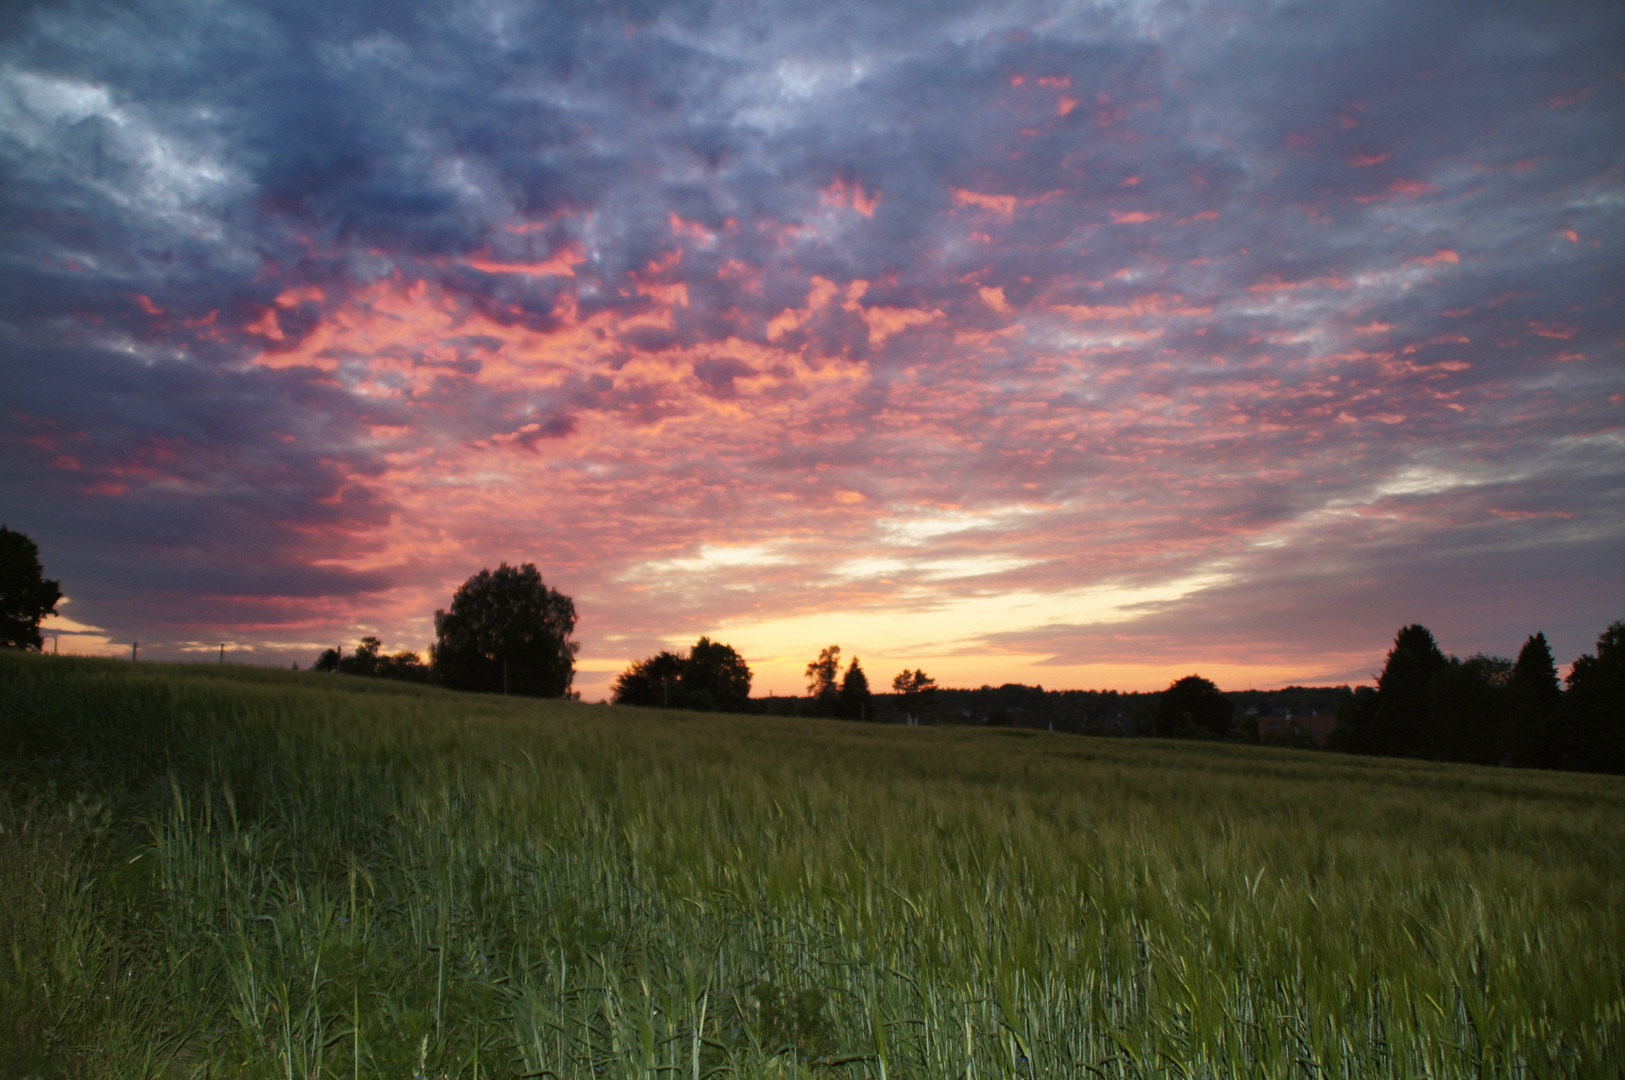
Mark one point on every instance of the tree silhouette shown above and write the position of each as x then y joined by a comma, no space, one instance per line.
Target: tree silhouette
1533,696
368,659
1536,669
1402,708
712,678
1591,720
649,682
717,675
508,632
821,678
1190,704
26,594
916,688
1468,710
1356,719
857,703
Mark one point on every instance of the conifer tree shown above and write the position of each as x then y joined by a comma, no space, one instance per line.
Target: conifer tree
1536,669
1402,707
857,703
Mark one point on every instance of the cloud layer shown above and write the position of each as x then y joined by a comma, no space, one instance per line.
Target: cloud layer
1090,344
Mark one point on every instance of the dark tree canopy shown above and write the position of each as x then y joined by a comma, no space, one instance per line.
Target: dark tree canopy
26,594
1401,716
1536,669
1490,710
507,632
823,673
649,682
368,659
1607,665
915,688
1591,721
1467,710
856,701
712,678
1193,703
1417,640
716,677
1356,715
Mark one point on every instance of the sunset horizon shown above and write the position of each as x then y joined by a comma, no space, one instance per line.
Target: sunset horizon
1089,347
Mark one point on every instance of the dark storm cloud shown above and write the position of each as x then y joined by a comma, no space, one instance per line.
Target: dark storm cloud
178,492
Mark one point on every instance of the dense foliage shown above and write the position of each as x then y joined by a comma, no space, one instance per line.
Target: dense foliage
832,693
237,872
26,594
649,682
506,632
1489,710
1194,705
855,700
712,678
915,692
1589,726
368,659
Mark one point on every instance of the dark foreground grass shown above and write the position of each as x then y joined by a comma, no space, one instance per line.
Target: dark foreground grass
211,872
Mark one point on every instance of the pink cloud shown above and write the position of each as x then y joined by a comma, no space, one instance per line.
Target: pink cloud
999,204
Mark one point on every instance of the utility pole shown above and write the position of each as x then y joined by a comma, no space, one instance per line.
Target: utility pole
222,652
135,651
338,654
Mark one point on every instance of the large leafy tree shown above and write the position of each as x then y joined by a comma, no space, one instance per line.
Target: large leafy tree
716,677
1193,703
650,682
712,678
26,594
507,631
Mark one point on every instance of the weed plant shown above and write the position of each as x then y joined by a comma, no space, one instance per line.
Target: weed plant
230,872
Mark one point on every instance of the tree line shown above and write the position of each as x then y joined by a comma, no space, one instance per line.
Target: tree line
1489,710
713,677
507,631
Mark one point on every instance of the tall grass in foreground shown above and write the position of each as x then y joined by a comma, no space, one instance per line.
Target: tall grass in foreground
229,872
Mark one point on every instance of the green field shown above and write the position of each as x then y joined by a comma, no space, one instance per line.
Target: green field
222,872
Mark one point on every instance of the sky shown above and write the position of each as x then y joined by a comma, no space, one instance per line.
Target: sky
1083,345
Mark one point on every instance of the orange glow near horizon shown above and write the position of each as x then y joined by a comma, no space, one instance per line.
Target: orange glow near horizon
893,570
1063,351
